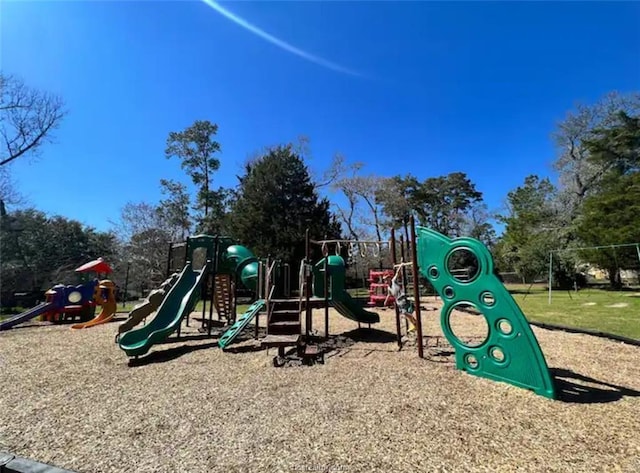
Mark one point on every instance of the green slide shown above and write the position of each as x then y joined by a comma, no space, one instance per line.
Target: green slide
240,260
179,302
340,298
351,309
233,331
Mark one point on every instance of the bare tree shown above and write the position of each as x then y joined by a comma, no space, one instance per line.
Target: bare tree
366,187
339,176
136,218
144,239
27,118
363,214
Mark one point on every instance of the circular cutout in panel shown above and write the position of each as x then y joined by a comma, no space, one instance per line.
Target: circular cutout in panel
487,298
504,326
471,361
497,354
433,272
448,292
75,297
468,325
463,265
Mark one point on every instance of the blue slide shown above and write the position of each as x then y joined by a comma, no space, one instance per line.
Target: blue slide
27,315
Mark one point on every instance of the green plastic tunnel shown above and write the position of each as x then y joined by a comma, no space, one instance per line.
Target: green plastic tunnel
244,263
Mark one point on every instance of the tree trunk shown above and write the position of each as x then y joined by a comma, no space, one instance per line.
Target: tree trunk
614,278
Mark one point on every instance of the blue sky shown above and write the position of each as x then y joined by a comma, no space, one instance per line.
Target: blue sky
438,87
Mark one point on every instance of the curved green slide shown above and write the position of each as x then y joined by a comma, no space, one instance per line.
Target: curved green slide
242,261
183,296
340,298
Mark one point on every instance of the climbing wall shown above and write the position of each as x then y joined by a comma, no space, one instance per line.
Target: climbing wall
461,271
223,297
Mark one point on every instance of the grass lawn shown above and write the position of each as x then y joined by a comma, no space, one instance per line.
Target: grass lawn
615,312
595,309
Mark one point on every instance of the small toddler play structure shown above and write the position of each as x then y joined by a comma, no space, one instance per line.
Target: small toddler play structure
68,303
55,299
105,297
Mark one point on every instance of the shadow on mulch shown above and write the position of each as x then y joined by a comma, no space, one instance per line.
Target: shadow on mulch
169,354
214,322
370,335
570,391
188,338
244,348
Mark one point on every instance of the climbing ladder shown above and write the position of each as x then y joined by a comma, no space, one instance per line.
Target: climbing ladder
223,296
232,332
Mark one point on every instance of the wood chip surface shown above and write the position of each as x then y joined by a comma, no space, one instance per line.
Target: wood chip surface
70,398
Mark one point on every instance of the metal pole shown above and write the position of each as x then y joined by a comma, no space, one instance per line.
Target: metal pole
126,285
267,289
212,278
550,273
308,315
287,280
234,299
326,297
405,284
203,296
259,297
186,258
416,286
394,261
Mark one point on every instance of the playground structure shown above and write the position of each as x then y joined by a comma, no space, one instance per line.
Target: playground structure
83,300
68,303
105,297
510,352
151,303
320,285
221,257
62,303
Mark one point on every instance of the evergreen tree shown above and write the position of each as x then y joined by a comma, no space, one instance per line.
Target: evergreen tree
276,202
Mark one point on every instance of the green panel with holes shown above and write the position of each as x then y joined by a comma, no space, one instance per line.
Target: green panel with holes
461,271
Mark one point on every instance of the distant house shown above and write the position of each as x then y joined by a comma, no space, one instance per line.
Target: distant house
629,276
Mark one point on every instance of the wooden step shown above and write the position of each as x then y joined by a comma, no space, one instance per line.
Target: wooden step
279,341
284,316
284,328
295,301
285,303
